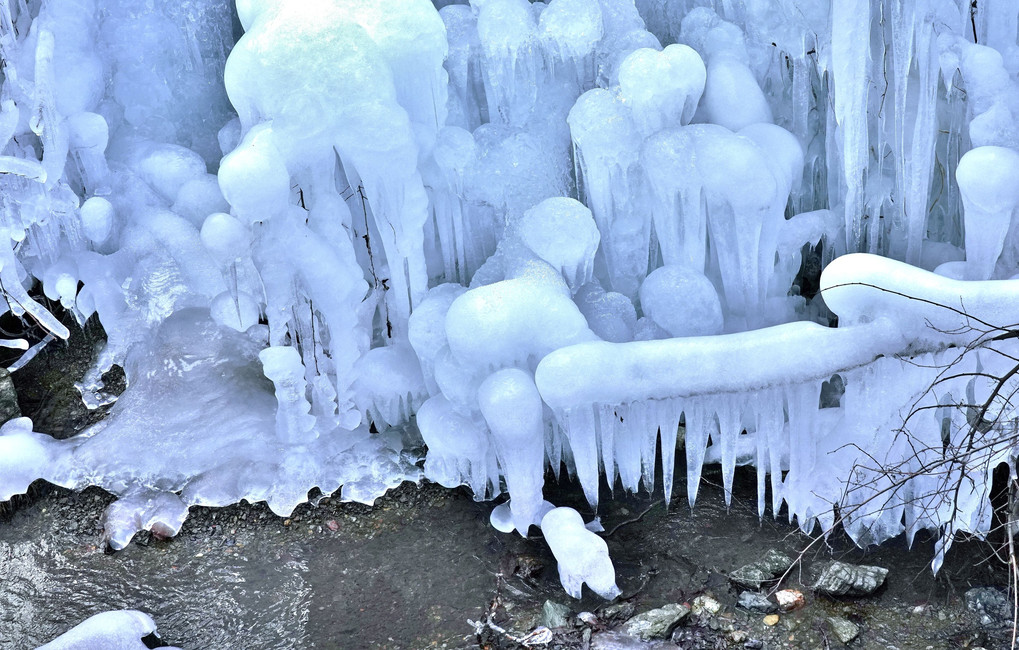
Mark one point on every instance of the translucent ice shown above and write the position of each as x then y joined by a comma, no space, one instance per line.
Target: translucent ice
583,557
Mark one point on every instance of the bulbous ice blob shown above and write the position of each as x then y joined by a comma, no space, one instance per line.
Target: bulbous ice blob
732,97
198,198
583,557
88,131
681,301
614,49
97,219
572,27
784,149
389,386
988,180
562,232
458,446
610,315
515,321
238,311
502,516
426,328
662,88
513,409
168,167
225,237
253,177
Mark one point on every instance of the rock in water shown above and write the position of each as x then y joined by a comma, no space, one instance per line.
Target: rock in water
657,623
844,629
757,603
841,579
770,567
554,614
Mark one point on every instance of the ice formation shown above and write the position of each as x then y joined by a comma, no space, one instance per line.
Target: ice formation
531,236
115,630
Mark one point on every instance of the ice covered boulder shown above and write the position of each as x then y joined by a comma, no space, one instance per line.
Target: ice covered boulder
583,556
116,630
161,512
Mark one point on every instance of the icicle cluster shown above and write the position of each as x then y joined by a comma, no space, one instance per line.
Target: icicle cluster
529,235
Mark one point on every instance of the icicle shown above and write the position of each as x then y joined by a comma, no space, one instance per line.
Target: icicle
698,427
629,443
729,412
850,53
579,425
667,413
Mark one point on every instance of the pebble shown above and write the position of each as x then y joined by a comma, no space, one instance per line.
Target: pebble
771,619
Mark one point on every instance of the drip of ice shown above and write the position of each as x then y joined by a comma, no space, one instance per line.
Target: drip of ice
583,557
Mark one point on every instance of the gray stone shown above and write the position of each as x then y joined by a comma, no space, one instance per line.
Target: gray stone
756,602
750,576
775,562
554,614
770,567
843,629
992,605
620,611
657,623
8,398
841,579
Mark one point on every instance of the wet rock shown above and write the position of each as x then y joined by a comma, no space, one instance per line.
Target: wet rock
841,579
757,602
657,623
8,398
620,611
616,640
843,629
770,567
992,605
706,606
554,614
789,600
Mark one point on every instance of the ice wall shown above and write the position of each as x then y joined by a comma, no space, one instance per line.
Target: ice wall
322,235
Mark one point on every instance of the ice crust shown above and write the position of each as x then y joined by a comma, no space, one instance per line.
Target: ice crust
115,630
531,236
